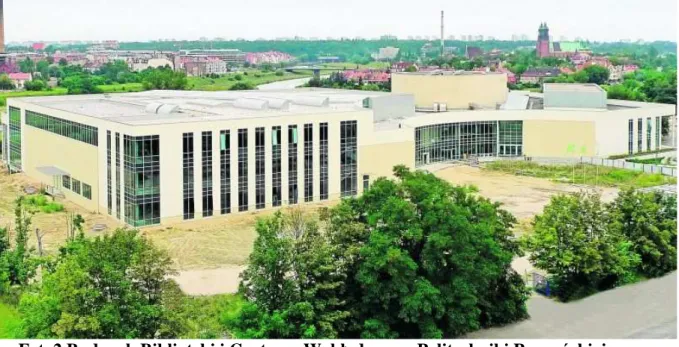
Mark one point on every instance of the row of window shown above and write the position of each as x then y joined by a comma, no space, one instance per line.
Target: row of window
348,179
640,138
15,138
75,186
454,141
73,130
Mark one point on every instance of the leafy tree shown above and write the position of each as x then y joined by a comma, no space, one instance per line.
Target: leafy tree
163,78
411,68
291,282
27,65
649,221
63,62
35,85
573,243
42,67
597,74
6,83
107,287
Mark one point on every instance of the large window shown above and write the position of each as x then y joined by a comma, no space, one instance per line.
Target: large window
348,158
109,174
76,131
649,133
188,176
75,186
87,191
308,162
118,173
658,128
208,201
276,164
225,167
640,134
324,160
66,181
454,141
292,165
242,170
15,138
260,174
510,138
142,179
630,136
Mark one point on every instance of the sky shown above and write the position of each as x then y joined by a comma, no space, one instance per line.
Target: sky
143,20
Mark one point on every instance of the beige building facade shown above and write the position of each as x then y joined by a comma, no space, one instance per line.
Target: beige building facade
166,157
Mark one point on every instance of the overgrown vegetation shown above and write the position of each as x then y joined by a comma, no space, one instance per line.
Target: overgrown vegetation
42,203
416,257
587,246
582,174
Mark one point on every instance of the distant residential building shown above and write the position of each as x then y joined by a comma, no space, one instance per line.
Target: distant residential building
367,76
19,79
329,59
538,75
388,37
617,72
233,56
402,66
386,53
202,66
472,52
38,46
271,57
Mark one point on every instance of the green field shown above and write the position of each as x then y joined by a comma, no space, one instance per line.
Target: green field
253,78
122,88
582,174
10,322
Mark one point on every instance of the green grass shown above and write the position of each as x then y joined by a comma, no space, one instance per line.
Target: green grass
10,322
122,88
582,174
42,203
655,161
253,77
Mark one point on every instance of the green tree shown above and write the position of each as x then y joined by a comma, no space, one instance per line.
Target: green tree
35,85
597,74
107,287
27,65
6,83
291,282
573,243
163,78
411,68
649,221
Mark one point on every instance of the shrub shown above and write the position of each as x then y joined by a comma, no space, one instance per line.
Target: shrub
280,73
238,77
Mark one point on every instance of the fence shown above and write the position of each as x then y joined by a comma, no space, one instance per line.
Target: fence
615,163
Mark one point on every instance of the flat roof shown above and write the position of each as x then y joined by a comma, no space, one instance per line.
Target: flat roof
165,106
572,87
449,73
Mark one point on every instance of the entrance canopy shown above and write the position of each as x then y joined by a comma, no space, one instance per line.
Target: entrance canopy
52,171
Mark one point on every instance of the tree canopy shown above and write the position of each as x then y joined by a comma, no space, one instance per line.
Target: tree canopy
415,257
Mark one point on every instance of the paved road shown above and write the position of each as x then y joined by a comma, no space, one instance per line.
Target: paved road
289,84
645,310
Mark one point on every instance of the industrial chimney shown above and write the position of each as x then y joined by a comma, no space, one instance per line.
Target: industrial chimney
442,33
2,27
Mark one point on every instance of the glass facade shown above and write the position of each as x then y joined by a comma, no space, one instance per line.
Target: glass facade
649,133
276,167
260,173
640,135
348,158
510,138
225,168
15,138
630,136
453,141
208,201
188,176
142,180
76,131
293,190
242,170
308,162
323,148
109,174
118,173
366,182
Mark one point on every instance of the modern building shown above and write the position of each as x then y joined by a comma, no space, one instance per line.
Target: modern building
441,90
164,157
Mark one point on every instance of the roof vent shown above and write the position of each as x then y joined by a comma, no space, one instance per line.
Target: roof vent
153,107
279,104
311,101
251,104
168,109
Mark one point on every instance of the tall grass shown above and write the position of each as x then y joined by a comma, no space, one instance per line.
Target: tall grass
10,322
41,203
582,174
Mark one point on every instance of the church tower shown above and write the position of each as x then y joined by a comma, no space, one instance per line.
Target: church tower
542,48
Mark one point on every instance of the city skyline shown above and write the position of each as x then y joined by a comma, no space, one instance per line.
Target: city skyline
127,20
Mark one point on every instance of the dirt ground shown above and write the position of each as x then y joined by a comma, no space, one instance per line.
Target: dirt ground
209,254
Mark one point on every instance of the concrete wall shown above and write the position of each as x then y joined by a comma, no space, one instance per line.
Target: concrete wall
556,98
42,148
545,138
393,106
456,91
